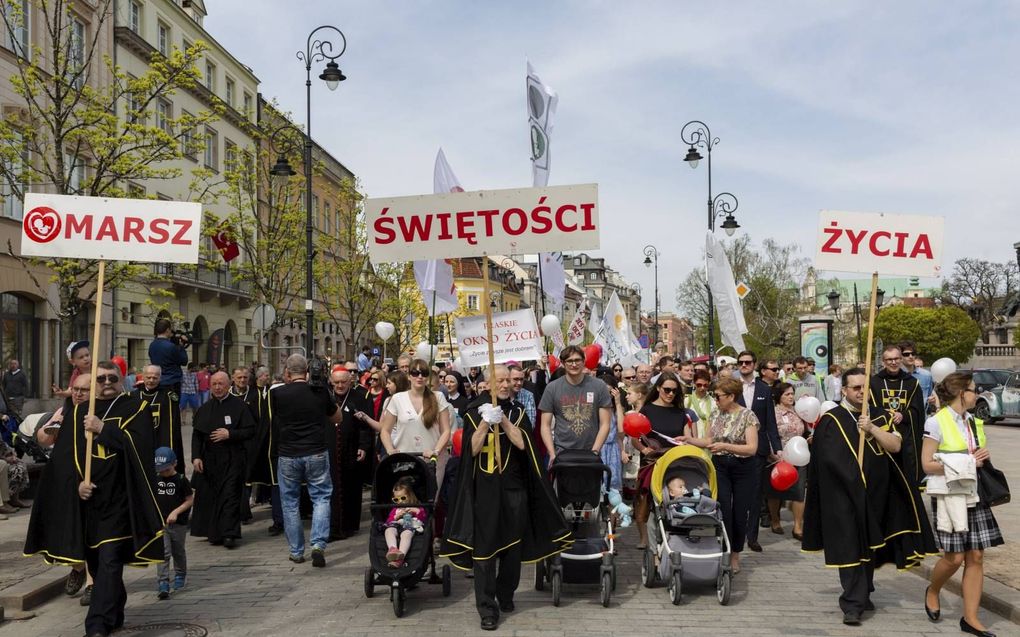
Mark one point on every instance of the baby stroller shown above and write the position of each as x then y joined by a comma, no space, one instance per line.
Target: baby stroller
419,561
687,541
580,481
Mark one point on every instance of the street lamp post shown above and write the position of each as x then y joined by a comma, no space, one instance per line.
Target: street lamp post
316,50
652,253
696,134
833,297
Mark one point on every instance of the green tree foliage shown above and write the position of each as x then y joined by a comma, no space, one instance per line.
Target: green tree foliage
938,332
982,288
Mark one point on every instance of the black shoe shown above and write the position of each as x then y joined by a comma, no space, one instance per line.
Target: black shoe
275,530
96,634
507,606
247,521
216,542
967,628
852,618
754,546
86,597
318,559
933,615
75,580
490,623
229,542
869,606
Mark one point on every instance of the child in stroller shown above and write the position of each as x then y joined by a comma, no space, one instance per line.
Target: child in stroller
405,520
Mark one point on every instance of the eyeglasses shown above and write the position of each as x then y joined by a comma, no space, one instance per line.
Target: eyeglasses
908,353
701,385
400,498
573,361
631,377
80,390
415,373
617,369
772,369
373,380
668,390
720,395
107,378
746,362
892,360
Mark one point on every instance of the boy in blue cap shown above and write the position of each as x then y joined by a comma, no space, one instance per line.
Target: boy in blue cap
173,492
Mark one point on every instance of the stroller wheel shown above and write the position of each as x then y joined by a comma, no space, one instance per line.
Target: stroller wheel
607,589
447,580
557,587
648,574
369,583
398,602
676,587
723,588
540,575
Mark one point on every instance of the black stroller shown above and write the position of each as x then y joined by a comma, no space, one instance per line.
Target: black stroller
420,560
580,481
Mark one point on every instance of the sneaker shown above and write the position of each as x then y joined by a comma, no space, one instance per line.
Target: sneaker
297,559
393,554
318,559
179,582
164,590
75,580
86,597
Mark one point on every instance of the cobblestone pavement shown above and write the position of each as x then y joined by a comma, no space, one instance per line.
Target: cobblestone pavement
1003,563
254,590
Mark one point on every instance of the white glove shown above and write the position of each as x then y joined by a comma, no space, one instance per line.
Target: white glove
492,414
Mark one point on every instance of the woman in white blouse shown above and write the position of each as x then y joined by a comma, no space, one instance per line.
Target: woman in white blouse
417,420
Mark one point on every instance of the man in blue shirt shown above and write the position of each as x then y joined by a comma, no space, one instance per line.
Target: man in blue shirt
169,355
909,351
364,362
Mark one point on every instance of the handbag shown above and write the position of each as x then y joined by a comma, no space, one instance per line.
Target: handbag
993,489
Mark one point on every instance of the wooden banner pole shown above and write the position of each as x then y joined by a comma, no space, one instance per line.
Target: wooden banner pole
493,393
868,353
100,280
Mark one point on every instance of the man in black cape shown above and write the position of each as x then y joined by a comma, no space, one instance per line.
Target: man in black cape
114,519
221,428
862,517
165,407
896,391
350,442
505,512
262,454
241,388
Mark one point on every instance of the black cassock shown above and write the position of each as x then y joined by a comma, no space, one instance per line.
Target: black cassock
348,437
219,488
856,516
901,393
123,505
261,448
165,406
495,510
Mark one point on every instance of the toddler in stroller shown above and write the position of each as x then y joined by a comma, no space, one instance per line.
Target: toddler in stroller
404,521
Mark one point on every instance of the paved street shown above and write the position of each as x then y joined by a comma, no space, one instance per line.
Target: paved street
255,590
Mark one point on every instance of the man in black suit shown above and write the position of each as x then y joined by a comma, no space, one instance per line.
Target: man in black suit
757,397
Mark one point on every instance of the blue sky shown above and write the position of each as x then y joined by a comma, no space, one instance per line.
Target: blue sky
904,106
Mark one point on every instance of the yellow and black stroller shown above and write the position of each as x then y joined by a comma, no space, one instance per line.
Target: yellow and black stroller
687,542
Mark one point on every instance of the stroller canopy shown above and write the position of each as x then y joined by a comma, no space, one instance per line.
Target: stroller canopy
401,465
691,463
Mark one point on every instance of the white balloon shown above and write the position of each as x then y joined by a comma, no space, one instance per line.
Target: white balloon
808,408
941,368
425,351
550,324
384,330
796,451
827,405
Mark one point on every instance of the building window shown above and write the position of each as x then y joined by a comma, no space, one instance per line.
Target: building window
76,56
593,276
210,76
164,113
187,136
75,167
229,95
248,100
327,218
18,34
14,181
135,18
163,39
472,301
134,191
186,43
212,151
229,155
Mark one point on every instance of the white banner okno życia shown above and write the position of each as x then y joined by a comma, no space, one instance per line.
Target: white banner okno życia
905,245
112,229
481,222
515,336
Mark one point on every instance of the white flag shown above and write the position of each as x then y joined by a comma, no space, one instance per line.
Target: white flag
724,292
575,331
554,279
541,108
557,340
594,321
616,337
436,276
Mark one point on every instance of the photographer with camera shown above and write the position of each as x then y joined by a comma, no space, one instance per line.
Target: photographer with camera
169,351
300,412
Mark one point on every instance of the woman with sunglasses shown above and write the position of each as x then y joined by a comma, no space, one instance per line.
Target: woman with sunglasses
417,420
665,409
618,372
733,441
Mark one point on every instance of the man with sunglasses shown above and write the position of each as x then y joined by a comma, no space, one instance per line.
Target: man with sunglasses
629,376
757,396
768,371
897,392
911,364
111,520
576,409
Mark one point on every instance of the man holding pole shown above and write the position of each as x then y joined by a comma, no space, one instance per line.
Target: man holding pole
106,514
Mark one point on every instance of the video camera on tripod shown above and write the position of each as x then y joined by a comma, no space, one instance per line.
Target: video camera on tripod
183,337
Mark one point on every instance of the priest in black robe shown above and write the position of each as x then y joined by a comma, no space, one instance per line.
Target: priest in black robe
505,512
222,427
350,442
861,516
113,519
895,391
165,407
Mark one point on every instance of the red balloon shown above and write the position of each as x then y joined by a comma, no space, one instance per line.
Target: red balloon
554,363
120,363
636,424
458,440
784,476
592,354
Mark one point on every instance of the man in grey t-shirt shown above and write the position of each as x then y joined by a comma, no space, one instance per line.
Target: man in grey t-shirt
576,409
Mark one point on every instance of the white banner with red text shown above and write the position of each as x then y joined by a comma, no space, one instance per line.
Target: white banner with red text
905,245
482,222
515,337
72,227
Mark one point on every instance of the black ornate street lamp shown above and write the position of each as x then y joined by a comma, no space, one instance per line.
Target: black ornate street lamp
696,134
652,256
316,50
833,298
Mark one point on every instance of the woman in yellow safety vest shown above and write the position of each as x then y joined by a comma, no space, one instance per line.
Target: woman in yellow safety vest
954,430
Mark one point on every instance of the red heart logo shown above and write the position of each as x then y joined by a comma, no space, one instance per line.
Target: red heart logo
42,224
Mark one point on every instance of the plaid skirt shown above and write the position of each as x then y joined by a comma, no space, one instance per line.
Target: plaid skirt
983,531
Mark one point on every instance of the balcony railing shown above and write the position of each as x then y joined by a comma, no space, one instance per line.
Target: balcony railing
220,278
1005,351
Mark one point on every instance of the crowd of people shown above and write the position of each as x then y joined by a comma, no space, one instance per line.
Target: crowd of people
306,442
